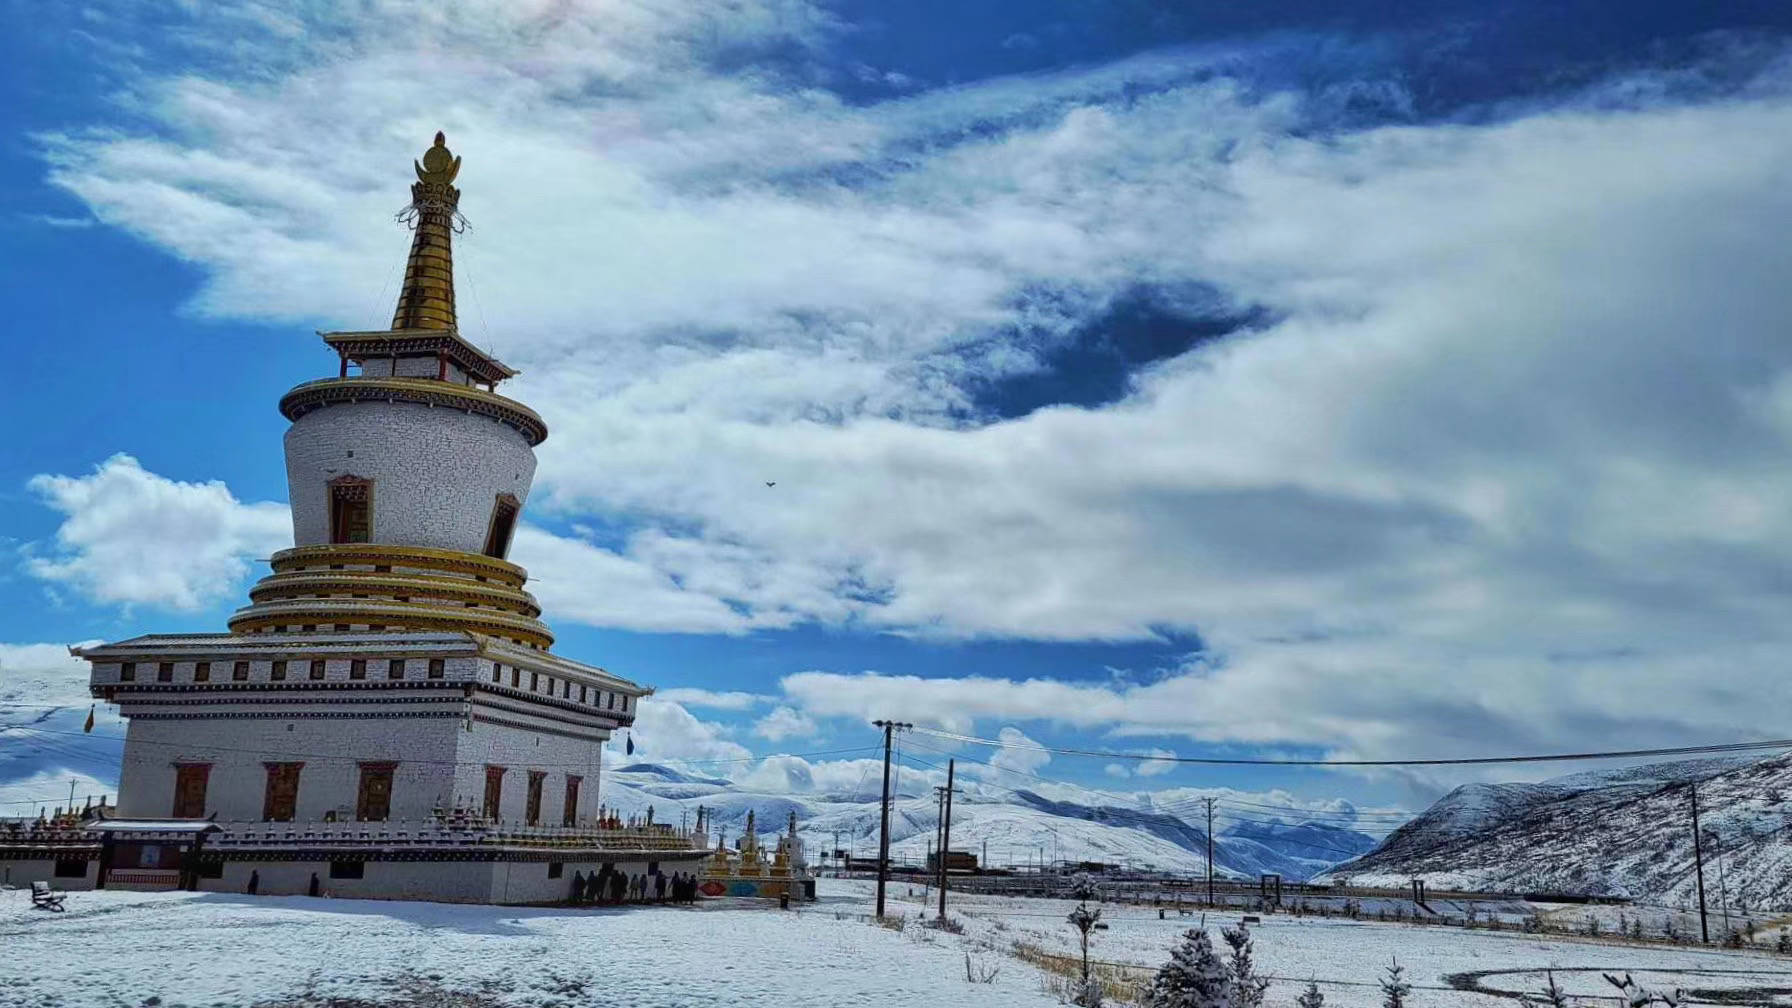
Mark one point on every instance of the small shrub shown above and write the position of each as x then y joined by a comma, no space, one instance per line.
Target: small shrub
1393,988
946,924
979,972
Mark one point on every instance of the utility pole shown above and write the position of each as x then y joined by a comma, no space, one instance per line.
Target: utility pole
1698,855
946,836
1723,888
1209,802
883,835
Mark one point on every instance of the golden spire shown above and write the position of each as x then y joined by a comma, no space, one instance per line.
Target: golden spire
427,299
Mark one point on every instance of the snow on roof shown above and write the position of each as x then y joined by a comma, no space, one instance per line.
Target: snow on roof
153,826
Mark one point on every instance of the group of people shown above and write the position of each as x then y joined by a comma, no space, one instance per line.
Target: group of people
607,885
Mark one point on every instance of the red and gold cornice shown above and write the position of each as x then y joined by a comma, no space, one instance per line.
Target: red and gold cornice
311,395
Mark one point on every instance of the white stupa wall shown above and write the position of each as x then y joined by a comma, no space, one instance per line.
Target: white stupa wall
519,751
330,747
436,471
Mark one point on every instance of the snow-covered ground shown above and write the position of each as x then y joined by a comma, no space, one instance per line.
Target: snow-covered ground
120,950
1348,957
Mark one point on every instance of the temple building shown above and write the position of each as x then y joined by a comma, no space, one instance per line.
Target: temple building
386,717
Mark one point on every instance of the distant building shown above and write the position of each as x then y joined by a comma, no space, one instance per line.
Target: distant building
386,718
956,861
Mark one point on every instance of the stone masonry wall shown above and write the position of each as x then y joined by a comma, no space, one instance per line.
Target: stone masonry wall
436,471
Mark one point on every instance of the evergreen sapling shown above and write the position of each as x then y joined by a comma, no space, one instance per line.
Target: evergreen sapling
1393,988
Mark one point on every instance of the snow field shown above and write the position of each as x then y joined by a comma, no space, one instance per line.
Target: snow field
1348,957
213,950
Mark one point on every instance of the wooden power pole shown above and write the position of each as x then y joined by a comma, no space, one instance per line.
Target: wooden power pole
1698,857
946,836
883,832
1209,851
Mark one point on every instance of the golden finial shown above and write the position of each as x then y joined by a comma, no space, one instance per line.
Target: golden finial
439,165
427,299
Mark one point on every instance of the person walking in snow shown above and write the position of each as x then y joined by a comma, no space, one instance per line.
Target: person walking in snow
659,887
254,883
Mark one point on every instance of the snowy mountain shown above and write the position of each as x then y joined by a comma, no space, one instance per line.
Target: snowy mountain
1002,827
1623,832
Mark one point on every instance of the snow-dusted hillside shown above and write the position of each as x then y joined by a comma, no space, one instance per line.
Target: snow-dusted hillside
1010,827
1624,832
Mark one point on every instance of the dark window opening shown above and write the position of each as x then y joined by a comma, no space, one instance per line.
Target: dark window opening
211,868
374,800
494,791
569,812
395,668
202,671
278,671
317,668
435,668
357,668
348,869
281,799
165,672
497,672
240,672
532,810
556,869
127,672
351,511
497,537
189,789
70,867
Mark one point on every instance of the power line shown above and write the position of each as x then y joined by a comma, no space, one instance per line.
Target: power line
1722,747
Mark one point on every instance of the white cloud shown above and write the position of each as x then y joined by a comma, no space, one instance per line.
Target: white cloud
783,723
1506,462
578,581
1018,752
1154,767
132,537
692,697
665,732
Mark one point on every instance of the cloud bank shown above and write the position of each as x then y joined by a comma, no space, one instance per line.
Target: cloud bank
1497,460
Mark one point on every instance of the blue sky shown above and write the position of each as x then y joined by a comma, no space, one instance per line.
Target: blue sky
1364,380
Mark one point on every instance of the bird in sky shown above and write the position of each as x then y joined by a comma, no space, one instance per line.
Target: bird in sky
771,483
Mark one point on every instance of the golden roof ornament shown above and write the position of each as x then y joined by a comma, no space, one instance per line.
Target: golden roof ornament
427,299
439,165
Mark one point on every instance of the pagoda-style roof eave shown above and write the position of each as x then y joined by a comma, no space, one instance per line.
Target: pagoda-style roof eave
385,342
